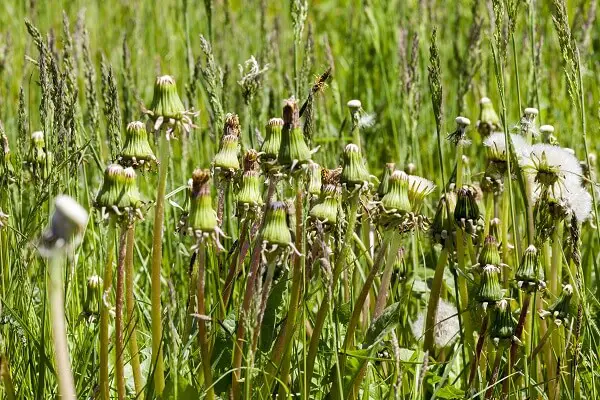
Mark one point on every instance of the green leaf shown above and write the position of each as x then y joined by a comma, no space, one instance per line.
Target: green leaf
343,312
222,352
450,392
268,328
383,324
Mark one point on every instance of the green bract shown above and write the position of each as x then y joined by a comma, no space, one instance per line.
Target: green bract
489,121
354,171
560,310
489,287
502,324
396,199
314,178
293,150
384,182
112,188
136,149
275,230
530,275
165,100
272,143
202,217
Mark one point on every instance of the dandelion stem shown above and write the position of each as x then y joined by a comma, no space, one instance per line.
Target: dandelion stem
119,340
434,298
104,311
202,333
131,314
66,387
157,243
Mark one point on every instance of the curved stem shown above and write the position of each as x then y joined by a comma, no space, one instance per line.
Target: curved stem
434,299
66,386
134,351
202,333
104,312
157,242
120,342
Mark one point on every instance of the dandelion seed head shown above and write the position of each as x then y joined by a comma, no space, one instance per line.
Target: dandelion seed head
354,104
446,328
496,145
366,120
553,167
579,202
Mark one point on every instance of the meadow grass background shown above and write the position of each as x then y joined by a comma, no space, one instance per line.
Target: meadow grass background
378,52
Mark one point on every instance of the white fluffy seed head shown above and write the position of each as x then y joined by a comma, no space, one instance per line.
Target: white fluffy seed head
497,146
561,160
447,328
546,129
579,201
354,104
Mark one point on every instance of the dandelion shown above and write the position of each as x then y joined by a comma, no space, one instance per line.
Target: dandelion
272,142
530,274
354,171
314,178
526,126
137,152
459,136
547,135
502,327
293,150
489,288
418,189
39,157
560,311
466,212
250,192
384,181
443,221
325,209
447,327
553,169
489,122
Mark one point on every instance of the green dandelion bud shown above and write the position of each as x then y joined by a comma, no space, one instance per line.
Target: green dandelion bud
489,290
91,304
560,310
110,193
293,150
275,230
38,156
354,171
167,108
418,189
400,268
489,254
250,193
136,149
202,217
272,143
489,122
384,182
530,275
227,157
326,208
314,178
130,196
396,199
466,213
443,221
502,327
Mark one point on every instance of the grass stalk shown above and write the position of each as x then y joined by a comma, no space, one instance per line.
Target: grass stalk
104,311
202,331
119,320
132,320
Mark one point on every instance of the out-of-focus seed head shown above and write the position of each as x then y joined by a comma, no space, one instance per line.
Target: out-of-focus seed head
314,178
167,110
272,142
354,105
275,230
547,135
489,122
137,152
354,171
530,274
384,182
459,136
502,326
66,227
560,311
293,150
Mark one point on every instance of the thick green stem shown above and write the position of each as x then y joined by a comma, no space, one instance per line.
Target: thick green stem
339,266
157,242
463,290
119,301
66,386
104,311
202,333
9,388
134,351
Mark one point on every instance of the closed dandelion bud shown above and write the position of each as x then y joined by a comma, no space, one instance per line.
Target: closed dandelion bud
167,108
130,197
314,178
66,226
560,310
384,182
489,122
227,157
326,208
530,275
275,230
489,254
112,188
293,150
418,189
502,327
547,133
136,149
250,193
91,305
396,199
354,171
466,213
272,142
202,217
459,136
443,221
489,290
